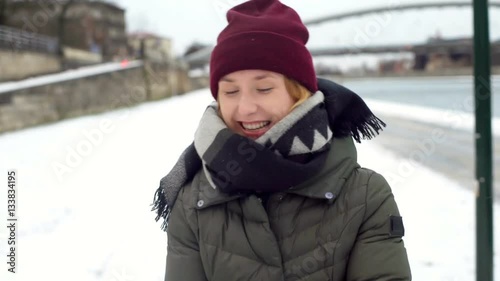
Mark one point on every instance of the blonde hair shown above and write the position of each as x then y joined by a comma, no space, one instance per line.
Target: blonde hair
298,92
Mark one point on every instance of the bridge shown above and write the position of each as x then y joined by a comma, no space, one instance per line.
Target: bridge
402,7
201,57
462,46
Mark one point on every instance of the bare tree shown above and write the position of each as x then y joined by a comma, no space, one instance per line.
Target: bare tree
3,7
62,23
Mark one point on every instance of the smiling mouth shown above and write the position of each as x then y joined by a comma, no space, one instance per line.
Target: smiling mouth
255,126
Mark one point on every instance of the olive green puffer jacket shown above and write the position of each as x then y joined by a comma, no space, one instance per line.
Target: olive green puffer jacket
343,224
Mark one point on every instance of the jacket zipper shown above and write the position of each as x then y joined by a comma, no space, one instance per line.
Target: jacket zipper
274,199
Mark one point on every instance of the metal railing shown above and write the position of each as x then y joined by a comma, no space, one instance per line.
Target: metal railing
17,40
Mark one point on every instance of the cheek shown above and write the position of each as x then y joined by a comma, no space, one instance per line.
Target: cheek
282,108
225,113
282,112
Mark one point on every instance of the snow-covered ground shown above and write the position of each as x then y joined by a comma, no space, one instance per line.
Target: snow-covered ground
85,185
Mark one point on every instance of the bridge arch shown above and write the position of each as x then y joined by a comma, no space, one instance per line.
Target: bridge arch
402,7
202,56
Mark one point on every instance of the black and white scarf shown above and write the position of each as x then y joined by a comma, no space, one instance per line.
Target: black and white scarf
289,153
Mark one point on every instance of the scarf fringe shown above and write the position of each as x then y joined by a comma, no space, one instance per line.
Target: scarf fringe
348,113
364,125
184,170
161,207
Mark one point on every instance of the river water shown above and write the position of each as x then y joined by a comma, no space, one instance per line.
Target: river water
438,92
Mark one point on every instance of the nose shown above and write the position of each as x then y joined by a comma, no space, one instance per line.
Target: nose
247,104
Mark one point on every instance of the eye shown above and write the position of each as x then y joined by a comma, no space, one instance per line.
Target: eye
264,90
231,92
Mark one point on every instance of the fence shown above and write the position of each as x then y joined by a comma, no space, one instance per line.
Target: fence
17,39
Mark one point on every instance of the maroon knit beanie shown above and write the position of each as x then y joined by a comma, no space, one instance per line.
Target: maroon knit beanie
267,35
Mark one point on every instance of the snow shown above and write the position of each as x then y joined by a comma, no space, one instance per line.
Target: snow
92,220
68,75
451,118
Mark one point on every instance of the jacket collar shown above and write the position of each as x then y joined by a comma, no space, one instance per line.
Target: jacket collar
341,161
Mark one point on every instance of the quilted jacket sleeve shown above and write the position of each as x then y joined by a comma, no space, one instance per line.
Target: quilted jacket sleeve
379,252
183,256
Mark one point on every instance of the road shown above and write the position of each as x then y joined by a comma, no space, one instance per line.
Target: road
452,154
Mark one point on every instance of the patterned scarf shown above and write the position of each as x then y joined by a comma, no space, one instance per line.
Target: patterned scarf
296,146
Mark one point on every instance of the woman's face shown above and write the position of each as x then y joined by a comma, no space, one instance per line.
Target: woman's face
252,101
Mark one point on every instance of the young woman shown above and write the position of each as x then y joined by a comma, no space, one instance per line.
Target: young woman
271,189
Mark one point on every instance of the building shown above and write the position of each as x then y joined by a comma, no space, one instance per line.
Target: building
151,46
92,26
438,53
395,66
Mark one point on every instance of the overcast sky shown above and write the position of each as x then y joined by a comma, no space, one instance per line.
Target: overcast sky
188,20
185,21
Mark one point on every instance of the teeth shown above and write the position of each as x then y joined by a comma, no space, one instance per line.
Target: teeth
255,126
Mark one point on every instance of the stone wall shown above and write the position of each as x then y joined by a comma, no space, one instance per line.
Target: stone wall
165,81
21,65
99,93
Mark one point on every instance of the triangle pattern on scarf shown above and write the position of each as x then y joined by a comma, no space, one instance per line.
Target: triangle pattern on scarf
319,141
324,131
306,137
298,147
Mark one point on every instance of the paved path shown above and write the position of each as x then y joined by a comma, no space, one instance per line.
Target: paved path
454,156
